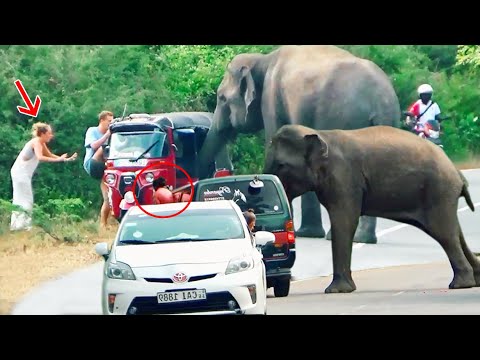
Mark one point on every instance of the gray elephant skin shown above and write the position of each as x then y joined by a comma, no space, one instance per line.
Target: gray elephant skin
319,86
379,171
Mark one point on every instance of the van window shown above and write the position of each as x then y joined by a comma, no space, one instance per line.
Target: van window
263,201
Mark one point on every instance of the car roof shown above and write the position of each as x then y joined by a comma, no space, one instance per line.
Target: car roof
208,205
239,178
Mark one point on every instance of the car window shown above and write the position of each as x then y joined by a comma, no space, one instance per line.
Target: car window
265,200
194,225
129,145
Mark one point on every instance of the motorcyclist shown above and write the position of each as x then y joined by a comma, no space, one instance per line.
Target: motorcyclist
425,108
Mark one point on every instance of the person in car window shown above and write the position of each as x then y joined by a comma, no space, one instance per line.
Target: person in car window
94,162
162,192
251,218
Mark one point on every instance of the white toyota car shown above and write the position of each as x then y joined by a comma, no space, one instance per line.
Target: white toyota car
203,261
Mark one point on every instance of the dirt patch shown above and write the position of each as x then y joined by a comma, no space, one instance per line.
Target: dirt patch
468,164
26,262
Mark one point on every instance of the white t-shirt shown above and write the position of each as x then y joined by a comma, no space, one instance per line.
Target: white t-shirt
419,107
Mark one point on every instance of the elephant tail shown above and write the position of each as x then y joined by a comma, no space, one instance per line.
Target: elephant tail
465,193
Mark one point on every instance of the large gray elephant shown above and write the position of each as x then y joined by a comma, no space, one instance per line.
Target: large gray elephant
321,86
378,171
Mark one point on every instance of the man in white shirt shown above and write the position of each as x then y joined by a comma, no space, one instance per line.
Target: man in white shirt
425,109
94,162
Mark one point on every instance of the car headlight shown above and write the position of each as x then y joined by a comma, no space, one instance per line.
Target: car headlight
239,264
120,271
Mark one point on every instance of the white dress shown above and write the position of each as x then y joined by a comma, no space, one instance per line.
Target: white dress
22,172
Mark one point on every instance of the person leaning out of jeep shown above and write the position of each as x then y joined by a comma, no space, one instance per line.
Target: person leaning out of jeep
251,218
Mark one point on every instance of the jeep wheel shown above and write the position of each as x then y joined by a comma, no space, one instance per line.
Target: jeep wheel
282,288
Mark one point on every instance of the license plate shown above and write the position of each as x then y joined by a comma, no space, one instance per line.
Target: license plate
127,162
178,296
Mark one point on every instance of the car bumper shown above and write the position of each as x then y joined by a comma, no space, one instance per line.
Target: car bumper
277,267
139,297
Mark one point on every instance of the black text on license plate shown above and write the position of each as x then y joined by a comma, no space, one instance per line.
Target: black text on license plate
177,296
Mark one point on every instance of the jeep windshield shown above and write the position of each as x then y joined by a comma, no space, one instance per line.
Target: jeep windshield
265,200
130,145
190,226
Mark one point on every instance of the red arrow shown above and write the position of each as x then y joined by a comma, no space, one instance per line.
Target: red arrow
31,109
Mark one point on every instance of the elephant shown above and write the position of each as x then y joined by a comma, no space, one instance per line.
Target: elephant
321,86
378,171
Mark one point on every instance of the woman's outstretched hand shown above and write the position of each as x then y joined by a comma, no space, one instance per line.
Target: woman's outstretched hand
72,158
65,157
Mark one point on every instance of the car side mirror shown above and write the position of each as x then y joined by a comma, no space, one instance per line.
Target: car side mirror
264,237
102,250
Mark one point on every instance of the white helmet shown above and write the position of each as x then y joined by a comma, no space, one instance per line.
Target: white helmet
425,89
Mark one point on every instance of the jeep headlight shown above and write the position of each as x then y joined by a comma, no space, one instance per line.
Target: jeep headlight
110,179
149,177
239,264
120,271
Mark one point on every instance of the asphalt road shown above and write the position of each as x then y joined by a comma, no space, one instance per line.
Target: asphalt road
400,290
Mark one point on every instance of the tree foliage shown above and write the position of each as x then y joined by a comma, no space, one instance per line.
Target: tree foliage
77,82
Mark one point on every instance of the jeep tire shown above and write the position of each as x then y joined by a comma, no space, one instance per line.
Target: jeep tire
281,288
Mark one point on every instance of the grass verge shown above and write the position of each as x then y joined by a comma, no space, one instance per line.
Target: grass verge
28,259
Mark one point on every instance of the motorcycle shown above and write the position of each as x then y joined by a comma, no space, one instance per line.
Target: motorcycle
430,130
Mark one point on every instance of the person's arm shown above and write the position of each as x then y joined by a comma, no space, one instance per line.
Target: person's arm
438,113
38,149
95,144
47,152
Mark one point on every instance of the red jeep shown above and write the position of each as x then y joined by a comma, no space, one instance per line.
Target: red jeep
141,140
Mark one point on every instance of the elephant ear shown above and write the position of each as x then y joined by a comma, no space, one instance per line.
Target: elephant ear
316,150
247,86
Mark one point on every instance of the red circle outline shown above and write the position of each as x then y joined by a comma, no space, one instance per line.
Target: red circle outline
168,164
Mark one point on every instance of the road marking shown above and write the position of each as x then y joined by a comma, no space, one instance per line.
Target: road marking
398,293
379,234
401,226
354,310
468,208
392,229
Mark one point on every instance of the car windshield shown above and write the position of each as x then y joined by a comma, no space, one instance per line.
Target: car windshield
131,145
265,200
193,225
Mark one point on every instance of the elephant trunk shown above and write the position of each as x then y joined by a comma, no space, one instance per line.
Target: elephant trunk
213,149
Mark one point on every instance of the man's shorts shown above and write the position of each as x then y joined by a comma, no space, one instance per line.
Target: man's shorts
95,168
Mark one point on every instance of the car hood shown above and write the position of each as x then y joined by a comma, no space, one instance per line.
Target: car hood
201,252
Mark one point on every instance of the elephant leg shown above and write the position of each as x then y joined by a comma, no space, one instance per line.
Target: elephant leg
344,223
311,217
366,231
472,259
449,235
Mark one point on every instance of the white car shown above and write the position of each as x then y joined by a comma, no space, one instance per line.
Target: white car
203,261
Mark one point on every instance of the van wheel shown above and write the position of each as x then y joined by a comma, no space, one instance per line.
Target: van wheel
282,288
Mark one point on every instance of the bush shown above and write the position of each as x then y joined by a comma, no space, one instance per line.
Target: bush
75,208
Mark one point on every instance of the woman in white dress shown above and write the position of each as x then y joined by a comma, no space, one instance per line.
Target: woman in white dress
22,171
